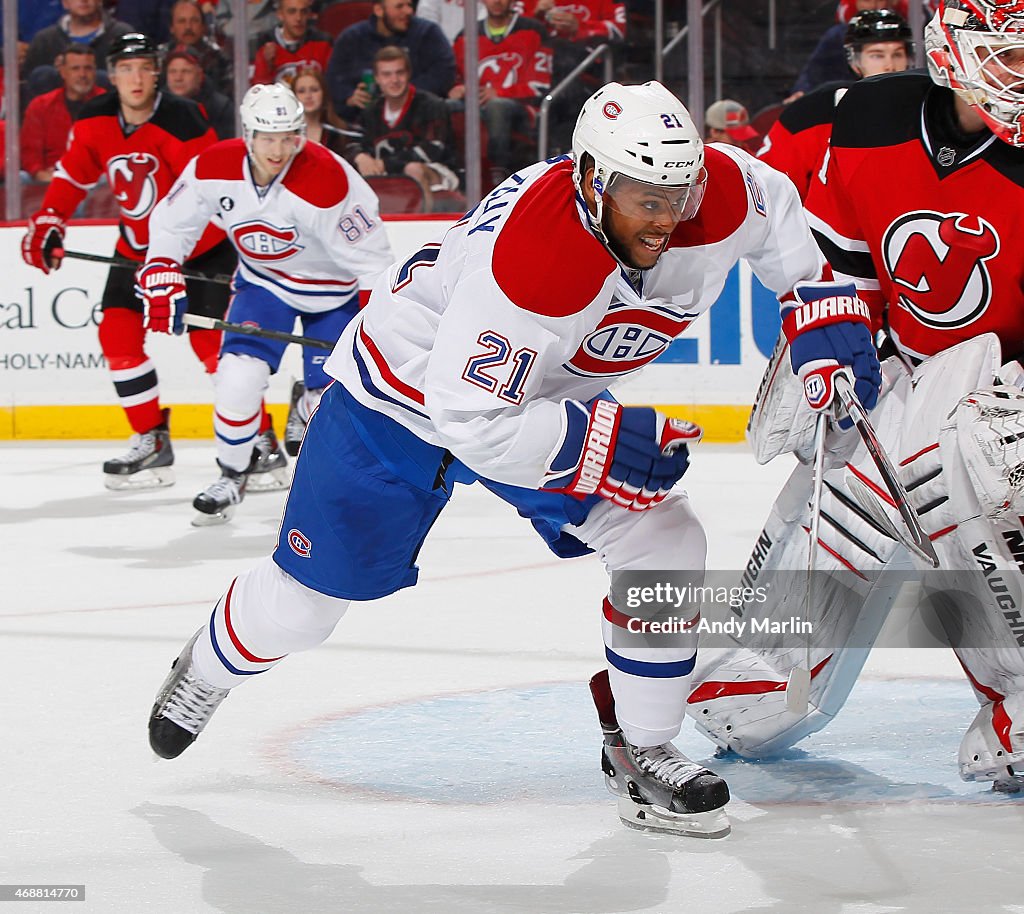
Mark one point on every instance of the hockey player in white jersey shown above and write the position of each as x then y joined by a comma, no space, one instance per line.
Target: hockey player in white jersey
308,233
485,356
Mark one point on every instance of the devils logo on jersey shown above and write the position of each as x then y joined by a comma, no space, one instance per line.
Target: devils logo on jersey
264,242
627,338
133,183
502,70
937,263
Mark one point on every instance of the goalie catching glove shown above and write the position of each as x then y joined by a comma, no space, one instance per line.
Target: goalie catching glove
43,244
631,455
161,286
828,329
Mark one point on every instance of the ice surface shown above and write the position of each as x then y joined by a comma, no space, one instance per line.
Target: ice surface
439,753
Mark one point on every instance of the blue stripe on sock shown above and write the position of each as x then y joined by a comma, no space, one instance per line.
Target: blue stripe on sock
220,654
671,670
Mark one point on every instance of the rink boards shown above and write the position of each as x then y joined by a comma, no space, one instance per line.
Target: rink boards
54,382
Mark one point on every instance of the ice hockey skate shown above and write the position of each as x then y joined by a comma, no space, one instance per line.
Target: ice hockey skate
216,503
659,788
183,707
147,462
295,427
269,471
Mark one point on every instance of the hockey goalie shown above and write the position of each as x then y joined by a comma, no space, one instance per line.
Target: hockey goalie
937,255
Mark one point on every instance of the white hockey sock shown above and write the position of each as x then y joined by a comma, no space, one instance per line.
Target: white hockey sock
265,615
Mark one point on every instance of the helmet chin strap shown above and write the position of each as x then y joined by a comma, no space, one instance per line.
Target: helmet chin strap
596,220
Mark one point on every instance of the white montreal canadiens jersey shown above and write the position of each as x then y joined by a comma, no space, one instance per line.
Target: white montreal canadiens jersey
312,238
475,340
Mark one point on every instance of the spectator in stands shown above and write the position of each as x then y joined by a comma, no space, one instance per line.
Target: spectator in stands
151,17
188,27
323,126
262,18
184,77
450,15
590,22
47,121
727,121
405,131
83,23
33,15
828,60
291,46
515,73
392,23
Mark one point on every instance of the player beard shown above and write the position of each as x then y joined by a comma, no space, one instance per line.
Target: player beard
628,253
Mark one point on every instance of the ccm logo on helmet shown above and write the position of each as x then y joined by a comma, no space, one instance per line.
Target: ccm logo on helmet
688,164
611,110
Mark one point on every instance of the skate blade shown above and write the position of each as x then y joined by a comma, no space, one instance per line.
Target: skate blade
157,478
798,690
1008,783
639,816
215,519
273,481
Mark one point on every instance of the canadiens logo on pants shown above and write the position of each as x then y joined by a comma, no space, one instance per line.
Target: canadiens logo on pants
299,544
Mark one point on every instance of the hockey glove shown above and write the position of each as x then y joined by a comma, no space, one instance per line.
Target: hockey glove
43,244
164,299
631,455
829,329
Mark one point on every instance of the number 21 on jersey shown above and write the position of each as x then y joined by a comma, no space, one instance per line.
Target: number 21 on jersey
495,357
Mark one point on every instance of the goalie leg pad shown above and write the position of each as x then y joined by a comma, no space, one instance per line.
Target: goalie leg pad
739,698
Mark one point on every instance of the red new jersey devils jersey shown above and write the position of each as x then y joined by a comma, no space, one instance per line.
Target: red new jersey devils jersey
140,166
798,140
928,222
518,65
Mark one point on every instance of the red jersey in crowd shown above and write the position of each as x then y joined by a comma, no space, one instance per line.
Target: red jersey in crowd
516,65
279,61
45,128
599,20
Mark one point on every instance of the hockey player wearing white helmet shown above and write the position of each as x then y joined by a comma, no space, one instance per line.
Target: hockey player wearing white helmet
307,230
485,357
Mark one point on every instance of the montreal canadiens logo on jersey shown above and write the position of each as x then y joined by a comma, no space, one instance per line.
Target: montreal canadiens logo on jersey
937,262
628,337
261,241
133,183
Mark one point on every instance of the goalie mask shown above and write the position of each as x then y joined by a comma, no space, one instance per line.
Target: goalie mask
976,48
646,151
272,109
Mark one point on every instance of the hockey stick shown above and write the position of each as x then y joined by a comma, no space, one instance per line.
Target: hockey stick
211,323
917,541
222,278
798,687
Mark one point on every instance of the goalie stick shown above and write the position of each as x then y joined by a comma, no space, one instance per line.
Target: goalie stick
798,686
913,537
